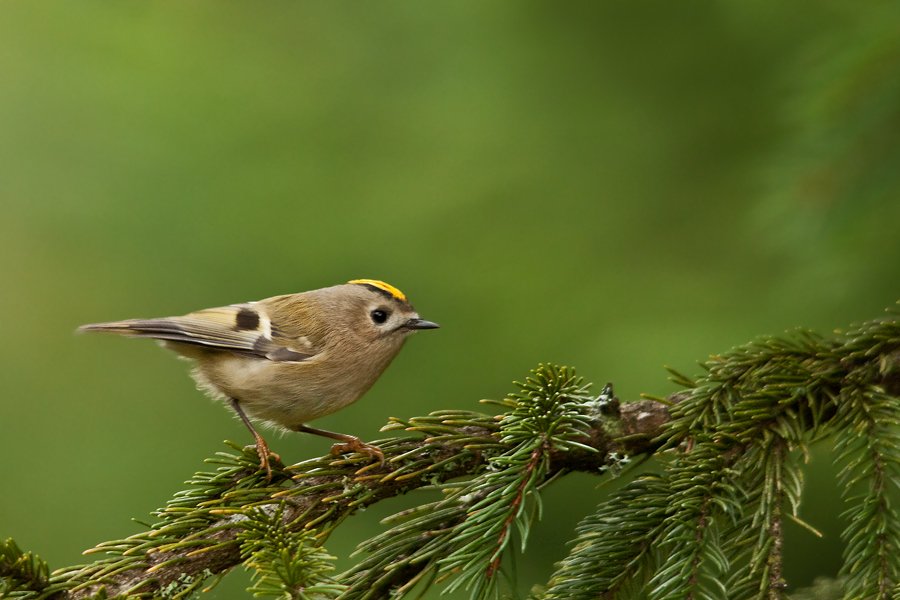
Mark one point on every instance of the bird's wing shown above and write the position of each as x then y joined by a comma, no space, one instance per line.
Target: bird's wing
241,328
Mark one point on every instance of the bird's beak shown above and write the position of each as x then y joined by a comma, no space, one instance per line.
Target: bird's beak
418,323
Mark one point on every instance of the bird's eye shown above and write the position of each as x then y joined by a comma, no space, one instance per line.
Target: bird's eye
379,316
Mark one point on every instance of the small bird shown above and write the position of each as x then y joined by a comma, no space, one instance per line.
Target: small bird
289,359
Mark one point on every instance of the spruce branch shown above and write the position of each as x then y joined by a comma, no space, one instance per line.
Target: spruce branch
22,573
707,524
871,478
614,548
730,471
768,554
287,563
701,490
201,532
551,412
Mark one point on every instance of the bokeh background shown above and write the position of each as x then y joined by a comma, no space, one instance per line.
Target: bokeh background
612,186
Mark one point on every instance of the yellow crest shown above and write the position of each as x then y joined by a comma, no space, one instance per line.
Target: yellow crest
384,287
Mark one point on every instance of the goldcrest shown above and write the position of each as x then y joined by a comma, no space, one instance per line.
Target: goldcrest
289,359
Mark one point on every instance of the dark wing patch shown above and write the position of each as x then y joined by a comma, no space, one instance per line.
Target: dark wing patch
246,318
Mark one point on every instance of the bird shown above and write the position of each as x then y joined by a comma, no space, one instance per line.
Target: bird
289,359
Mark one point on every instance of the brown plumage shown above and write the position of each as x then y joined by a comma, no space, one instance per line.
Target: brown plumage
290,359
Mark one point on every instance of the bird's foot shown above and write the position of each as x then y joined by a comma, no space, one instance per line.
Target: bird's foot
262,450
354,444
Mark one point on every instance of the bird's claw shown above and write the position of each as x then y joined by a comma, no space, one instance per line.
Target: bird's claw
262,450
357,445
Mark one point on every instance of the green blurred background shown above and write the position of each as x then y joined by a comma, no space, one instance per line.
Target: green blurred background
606,185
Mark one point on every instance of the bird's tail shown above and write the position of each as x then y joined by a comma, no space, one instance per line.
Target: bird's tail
152,328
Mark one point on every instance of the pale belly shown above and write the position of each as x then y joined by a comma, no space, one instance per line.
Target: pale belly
283,393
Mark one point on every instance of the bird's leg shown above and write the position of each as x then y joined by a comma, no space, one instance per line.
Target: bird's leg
262,448
348,443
